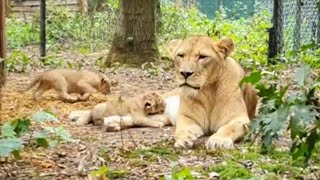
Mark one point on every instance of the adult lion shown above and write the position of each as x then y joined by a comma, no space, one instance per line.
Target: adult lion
211,100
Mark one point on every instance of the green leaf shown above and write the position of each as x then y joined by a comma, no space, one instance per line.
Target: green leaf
42,116
53,143
21,126
16,154
7,130
42,142
101,171
301,75
253,78
303,113
8,145
63,134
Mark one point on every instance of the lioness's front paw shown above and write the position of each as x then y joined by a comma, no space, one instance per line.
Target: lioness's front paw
184,143
219,142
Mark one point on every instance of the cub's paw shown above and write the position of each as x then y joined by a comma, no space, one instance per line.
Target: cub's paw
219,142
112,126
158,124
79,117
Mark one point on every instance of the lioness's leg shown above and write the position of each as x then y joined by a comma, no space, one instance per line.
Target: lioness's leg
187,132
228,134
87,88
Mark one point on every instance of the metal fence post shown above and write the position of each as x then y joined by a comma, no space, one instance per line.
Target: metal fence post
276,32
2,49
42,29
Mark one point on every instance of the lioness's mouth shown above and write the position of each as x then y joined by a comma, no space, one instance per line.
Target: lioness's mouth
188,85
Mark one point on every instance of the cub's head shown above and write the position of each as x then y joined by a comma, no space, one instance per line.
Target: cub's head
104,86
153,103
198,61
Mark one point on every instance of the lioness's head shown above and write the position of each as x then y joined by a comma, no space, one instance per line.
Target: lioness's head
153,103
104,86
198,61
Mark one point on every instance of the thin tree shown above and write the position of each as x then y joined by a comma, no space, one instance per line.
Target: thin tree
134,41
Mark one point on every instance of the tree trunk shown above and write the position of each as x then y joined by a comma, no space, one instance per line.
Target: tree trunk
134,41
2,49
276,32
83,6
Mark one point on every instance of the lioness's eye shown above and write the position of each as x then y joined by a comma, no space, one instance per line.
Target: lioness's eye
202,56
180,55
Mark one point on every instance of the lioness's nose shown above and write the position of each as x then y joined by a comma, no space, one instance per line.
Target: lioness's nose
186,74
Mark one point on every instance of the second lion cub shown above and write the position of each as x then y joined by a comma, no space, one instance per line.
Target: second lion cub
66,81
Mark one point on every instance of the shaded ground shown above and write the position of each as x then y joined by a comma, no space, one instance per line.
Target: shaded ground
140,153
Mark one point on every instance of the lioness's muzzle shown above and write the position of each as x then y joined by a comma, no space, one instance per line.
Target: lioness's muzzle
186,84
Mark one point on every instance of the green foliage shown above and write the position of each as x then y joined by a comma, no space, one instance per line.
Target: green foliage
10,145
308,53
21,33
18,133
231,170
42,116
105,171
179,174
17,61
299,108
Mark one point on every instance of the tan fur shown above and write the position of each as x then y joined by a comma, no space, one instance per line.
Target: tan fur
211,100
140,109
66,81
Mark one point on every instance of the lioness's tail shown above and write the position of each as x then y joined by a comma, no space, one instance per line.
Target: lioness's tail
251,99
34,82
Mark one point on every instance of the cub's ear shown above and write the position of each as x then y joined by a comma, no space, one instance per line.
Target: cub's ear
226,45
104,81
172,46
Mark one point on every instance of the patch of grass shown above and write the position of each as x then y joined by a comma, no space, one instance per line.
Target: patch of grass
138,163
151,154
89,139
104,153
231,170
117,174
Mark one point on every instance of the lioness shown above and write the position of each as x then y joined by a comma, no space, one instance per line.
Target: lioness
211,100
66,81
137,109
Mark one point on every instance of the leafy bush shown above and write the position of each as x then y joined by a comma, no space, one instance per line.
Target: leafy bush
19,133
299,109
21,33
17,61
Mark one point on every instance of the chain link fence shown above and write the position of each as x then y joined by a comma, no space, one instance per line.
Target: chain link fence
300,17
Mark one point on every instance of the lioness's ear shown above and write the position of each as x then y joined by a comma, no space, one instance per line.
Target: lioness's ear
172,46
226,45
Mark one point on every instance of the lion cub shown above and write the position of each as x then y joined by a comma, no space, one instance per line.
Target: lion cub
138,108
66,81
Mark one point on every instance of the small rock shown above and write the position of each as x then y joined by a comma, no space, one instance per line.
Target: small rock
214,175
